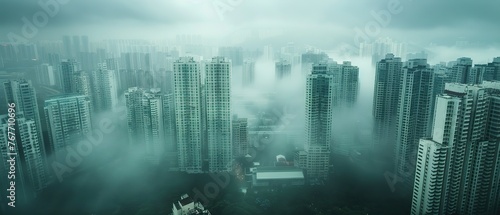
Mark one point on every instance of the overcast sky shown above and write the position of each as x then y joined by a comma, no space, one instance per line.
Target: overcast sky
319,21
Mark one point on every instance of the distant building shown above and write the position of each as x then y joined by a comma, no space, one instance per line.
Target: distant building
68,68
235,54
240,136
309,58
283,70
46,75
187,206
248,73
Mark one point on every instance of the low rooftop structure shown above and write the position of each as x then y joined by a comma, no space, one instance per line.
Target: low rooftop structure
187,206
280,176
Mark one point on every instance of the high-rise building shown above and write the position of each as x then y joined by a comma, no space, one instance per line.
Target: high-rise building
76,45
309,58
491,70
218,114
23,94
248,73
30,162
282,70
240,136
461,71
414,115
82,84
235,54
68,68
457,169
45,75
169,130
68,51
104,89
386,100
318,111
68,120
145,122
346,83
187,94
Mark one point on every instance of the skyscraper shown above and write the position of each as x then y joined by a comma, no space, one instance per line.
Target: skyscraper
346,83
235,54
23,94
240,136
386,100
187,94
68,67
30,163
218,114
457,170
282,70
461,71
45,75
414,115
145,122
248,73
68,120
319,95
104,89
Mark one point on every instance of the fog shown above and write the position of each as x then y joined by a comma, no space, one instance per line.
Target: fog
113,177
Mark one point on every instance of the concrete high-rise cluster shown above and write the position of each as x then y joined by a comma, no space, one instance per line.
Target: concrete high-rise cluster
149,122
99,85
458,168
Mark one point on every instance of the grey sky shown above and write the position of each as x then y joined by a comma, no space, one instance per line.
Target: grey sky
421,21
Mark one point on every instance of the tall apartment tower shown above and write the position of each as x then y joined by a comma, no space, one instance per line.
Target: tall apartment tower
318,115
461,71
248,73
457,170
282,70
31,172
218,114
187,94
145,122
68,68
104,89
346,83
23,94
414,115
240,136
386,99
68,120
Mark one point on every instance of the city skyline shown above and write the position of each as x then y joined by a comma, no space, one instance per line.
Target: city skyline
222,107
